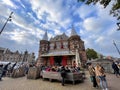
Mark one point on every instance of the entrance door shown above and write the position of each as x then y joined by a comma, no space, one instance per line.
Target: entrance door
51,60
64,60
58,60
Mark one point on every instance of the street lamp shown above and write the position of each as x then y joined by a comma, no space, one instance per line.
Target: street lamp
9,19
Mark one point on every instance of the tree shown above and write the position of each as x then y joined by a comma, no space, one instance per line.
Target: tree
91,54
115,9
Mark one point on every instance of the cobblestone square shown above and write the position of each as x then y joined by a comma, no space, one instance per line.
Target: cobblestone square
28,84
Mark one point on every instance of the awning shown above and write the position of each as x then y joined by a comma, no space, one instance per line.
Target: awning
58,53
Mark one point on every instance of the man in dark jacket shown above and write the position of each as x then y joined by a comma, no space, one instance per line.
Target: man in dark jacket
1,71
63,75
116,69
5,68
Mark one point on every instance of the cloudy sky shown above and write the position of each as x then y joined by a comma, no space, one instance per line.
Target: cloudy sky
31,18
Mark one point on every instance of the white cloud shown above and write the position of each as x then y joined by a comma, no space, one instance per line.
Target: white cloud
41,7
21,3
9,3
19,21
57,32
99,39
85,11
33,18
57,15
21,37
4,12
93,24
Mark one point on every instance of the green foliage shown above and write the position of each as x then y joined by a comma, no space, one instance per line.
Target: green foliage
115,10
91,54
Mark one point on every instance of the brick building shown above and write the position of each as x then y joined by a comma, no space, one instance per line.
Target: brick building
9,56
62,50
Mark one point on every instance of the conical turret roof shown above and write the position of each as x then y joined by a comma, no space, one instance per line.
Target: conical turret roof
45,37
73,32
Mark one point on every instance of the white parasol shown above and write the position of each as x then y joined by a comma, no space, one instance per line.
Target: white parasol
77,59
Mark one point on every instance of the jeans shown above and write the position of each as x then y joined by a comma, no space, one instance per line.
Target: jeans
103,82
94,81
63,81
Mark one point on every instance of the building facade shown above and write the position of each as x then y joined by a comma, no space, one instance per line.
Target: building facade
61,50
9,56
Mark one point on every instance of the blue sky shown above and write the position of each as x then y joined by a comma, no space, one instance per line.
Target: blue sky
31,18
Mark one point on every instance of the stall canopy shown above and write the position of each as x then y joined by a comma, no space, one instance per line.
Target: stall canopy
58,53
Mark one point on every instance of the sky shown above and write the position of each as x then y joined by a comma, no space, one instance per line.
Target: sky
31,18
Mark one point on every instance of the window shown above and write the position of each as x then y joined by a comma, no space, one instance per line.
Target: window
65,45
51,46
58,44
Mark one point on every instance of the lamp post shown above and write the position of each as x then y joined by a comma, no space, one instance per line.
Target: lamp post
8,19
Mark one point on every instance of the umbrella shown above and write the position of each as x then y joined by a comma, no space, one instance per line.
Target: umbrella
77,58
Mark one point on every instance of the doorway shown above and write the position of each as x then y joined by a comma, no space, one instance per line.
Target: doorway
58,60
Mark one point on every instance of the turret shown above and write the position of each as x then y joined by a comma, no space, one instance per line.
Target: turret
45,37
74,40
44,43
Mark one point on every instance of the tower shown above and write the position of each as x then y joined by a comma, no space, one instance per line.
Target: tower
43,48
74,40
76,45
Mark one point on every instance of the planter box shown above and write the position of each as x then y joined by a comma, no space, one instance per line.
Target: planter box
77,76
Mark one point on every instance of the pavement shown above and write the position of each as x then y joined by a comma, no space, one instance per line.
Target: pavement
23,83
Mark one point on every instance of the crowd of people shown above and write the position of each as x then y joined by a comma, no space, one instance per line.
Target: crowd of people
56,68
63,70
98,76
10,69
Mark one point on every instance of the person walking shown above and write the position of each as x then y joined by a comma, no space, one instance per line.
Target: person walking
100,73
1,71
63,75
116,69
92,75
5,68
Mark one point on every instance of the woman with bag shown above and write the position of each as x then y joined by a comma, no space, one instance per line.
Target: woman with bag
92,75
